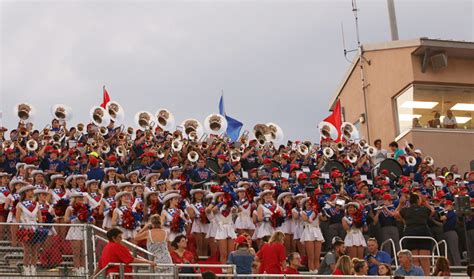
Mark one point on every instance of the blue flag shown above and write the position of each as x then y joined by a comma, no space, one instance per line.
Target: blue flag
233,125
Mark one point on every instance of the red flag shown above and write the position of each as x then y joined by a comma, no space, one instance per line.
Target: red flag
336,119
106,98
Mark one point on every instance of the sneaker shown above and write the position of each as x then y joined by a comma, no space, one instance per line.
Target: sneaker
32,270
26,270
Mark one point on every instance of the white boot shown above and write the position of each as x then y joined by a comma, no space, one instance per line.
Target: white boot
26,270
81,271
32,270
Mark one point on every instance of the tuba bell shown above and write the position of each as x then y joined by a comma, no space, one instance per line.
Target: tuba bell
303,150
176,145
260,131
165,119
276,133
115,111
349,131
23,132
429,160
192,128
411,161
193,156
363,144
340,146
352,158
215,124
103,131
23,111
121,151
371,151
99,116
144,119
327,130
105,148
61,112
328,152
31,145
80,127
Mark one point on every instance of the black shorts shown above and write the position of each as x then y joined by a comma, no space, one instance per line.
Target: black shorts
417,244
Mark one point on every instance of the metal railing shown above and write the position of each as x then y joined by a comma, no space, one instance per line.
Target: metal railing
393,249
433,255
230,268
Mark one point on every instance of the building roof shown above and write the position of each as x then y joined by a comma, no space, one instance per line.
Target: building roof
453,49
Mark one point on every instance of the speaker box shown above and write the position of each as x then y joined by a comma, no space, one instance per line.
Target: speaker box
439,61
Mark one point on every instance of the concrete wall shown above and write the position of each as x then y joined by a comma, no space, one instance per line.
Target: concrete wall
446,147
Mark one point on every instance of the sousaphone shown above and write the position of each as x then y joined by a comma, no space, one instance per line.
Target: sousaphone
215,124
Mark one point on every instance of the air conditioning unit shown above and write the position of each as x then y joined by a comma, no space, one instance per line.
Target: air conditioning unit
439,61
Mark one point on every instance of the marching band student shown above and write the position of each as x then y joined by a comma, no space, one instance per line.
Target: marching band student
107,204
285,203
200,226
385,215
450,234
78,212
224,209
311,235
353,222
122,216
244,222
27,212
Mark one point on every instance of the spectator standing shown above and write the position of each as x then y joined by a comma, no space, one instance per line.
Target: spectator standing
242,258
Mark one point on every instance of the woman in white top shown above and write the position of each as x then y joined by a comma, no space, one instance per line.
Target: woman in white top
93,199
244,222
311,235
197,214
285,204
156,243
353,224
298,225
212,228
265,212
225,233
27,211
107,203
122,216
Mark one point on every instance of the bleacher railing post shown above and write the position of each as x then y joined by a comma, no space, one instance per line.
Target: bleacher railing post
121,271
89,249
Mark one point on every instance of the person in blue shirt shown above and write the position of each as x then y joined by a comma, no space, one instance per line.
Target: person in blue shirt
201,174
375,257
450,234
95,171
52,164
405,260
395,150
243,257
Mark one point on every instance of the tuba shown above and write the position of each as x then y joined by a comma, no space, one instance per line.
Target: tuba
328,152
352,158
276,133
31,145
429,160
215,124
363,144
61,112
176,145
371,151
303,149
24,111
8,144
340,146
23,132
144,120
327,130
165,119
192,128
193,156
411,161
105,148
99,116
349,131
115,111
121,151
260,131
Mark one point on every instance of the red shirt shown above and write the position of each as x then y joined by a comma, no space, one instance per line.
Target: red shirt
290,270
188,257
271,258
115,253
337,272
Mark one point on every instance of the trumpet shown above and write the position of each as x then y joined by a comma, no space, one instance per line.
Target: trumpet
244,137
59,136
429,160
46,130
328,152
383,206
31,145
193,156
122,136
121,151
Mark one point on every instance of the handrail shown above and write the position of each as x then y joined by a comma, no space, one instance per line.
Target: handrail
393,249
175,266
432,256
